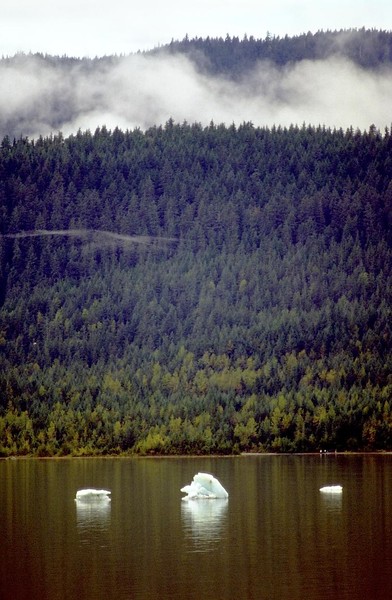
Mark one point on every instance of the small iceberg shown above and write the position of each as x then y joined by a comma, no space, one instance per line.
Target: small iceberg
331,489
92,495
204,486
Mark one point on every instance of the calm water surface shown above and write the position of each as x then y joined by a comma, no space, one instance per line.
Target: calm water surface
276,537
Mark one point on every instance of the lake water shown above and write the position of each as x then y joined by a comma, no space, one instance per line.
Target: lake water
276,537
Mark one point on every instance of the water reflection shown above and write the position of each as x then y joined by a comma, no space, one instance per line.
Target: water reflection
276,538
203,522
92,519
332,502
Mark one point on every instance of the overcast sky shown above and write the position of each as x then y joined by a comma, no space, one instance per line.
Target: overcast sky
103,27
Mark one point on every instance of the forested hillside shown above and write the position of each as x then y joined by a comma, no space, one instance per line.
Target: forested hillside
194,289
234,57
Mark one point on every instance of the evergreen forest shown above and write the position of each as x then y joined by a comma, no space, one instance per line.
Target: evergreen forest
190,289
234,57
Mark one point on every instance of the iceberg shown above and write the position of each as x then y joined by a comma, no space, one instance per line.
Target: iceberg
331,489
204,486
92,495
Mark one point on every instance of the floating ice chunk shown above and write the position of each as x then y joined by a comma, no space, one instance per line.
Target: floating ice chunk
92,495
205,486
332,489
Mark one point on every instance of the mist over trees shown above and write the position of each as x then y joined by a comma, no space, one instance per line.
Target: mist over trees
190,288
336,79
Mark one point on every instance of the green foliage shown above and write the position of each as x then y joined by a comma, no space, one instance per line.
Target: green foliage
196,290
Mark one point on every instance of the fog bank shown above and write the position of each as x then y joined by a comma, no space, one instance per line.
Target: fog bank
42,96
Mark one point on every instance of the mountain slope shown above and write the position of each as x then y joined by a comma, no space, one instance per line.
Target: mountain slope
196,289
368,48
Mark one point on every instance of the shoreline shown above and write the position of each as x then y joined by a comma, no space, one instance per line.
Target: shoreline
201,456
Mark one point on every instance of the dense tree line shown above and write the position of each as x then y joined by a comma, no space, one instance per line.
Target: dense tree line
234,57
193,289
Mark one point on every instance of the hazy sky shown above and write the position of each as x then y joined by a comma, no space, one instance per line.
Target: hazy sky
99,27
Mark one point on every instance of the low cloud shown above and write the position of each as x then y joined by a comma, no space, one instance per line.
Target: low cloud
41,96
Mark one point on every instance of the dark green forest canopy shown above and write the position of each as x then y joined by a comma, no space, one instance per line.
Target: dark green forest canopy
234,57
193,289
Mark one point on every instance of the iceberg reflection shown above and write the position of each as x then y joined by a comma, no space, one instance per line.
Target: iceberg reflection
204,522
93,514
93,511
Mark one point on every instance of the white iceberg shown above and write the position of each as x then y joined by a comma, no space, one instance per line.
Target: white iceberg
331,489
204,486
92,495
